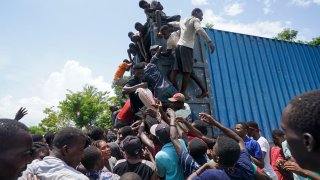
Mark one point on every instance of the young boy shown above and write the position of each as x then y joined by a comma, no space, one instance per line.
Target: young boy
93,162
118,76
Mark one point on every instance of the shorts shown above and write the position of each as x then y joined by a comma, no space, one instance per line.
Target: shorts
184,59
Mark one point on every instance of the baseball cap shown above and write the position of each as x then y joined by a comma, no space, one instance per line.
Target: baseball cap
177,97
162,131
131,145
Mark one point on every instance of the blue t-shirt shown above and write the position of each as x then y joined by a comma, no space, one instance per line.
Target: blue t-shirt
253,148
242,170
167,161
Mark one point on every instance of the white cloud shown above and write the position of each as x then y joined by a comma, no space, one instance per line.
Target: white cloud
267,6
233,9
72,76
304,3
199,2
258,28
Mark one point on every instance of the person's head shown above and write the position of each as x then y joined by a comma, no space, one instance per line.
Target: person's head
165,31
104,148
154,49
201,126
138,70
40,150
15,148
301,124
226,151
278,137
162,132
138,26
196,12
132,146
197,148
178,100
49,138
242,129
92,159
253,128
125,131
126,61
69,144
37,138
130,34
130,176
144,4
97,133
115,150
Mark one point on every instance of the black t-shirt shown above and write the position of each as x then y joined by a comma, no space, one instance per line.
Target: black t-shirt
135,101
144,169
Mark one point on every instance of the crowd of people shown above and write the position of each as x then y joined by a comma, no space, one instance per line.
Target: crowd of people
154,134
170,147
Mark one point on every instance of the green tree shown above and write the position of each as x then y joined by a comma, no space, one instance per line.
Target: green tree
86,108
315,41
287,35
53,121
209,25
37,130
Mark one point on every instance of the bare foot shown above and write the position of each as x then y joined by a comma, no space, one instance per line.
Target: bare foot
203,95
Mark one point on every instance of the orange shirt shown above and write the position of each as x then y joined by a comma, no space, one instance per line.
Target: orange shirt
120,71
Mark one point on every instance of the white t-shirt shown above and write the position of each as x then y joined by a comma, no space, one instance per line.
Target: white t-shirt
264,144
51,168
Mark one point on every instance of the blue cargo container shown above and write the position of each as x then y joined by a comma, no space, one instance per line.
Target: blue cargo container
251,78
254,78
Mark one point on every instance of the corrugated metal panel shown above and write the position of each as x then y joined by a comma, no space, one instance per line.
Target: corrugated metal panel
253,78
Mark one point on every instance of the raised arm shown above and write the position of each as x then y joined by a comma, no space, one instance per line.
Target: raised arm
173,131
130,89
226,131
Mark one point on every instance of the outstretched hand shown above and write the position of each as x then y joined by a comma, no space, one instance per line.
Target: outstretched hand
21,112
171,113
206,117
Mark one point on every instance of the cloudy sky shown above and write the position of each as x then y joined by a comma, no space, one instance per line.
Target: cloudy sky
48,46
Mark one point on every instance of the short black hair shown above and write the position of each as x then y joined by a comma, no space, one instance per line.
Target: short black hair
228,151
132,45
201,126
67,136
49,138
304,116
139,66
90,157
277,133
137,24
126,61
130,176
126,131
142,2
253,124
96,133
244,125
9,129
196,11
197,148
130,33
164,28
38,147
37,137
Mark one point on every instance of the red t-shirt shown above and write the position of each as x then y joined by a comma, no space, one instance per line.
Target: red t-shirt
276,154
125,113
